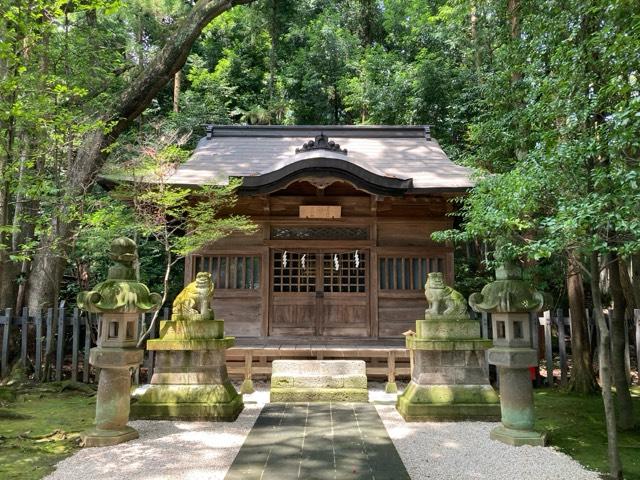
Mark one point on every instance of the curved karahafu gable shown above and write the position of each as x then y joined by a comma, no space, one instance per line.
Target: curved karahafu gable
387,160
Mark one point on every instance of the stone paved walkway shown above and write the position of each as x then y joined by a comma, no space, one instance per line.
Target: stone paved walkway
317,442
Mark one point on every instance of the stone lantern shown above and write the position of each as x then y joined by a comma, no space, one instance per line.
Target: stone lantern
119,300
510,300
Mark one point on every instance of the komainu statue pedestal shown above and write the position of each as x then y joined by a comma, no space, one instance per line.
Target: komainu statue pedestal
449,378
190,381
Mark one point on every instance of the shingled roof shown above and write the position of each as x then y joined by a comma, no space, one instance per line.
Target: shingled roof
394,158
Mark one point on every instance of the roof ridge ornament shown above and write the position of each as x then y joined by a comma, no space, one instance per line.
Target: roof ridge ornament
321,142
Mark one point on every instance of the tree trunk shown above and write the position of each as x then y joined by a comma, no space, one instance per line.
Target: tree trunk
47,269
635,277
618,360
8,270
25,209
48,264
627,288
513,10
583,379
474,39
604,359
273,37
177,81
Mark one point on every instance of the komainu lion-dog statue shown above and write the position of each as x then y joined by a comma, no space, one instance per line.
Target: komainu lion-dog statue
442,300
194,300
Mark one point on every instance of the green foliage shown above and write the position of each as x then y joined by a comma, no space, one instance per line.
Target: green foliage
553,147
548,119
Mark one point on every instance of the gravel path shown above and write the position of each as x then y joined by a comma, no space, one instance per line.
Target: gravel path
202,450
165,450
463,451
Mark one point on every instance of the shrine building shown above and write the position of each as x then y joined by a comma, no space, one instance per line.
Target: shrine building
344,215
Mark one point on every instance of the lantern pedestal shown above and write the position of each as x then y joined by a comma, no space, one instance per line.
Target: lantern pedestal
513,357
448,379
96,437
190,381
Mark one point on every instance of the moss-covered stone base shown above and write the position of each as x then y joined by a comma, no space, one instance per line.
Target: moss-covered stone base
319,395
448,403
187,402
415,343
177,329
517,438
191,344
443,328
96,437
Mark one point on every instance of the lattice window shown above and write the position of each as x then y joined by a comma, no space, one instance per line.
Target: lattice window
230,271
319,233
407,273
349,276
294,273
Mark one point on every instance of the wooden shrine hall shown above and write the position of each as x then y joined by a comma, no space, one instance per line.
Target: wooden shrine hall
343,246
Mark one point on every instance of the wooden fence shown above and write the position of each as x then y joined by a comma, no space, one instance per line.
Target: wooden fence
57,342
47,339
562,325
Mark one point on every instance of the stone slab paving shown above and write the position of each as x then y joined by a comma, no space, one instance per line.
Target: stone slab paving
318,441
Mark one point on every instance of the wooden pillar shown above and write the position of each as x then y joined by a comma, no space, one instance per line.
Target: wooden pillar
247,384
37,368
87,348
75,344
391,386
24,319
562,347
60,342
548,347
636,315
5,342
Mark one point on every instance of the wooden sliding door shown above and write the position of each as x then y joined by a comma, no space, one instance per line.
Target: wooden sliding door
320,293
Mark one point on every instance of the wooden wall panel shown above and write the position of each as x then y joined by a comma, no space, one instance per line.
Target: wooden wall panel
418,207
242,313
398,314
238,240
411,234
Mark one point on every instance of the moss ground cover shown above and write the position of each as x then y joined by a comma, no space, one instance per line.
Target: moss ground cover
575,425
40,426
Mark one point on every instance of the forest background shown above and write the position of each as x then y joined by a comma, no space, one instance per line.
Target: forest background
540,97
519,90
